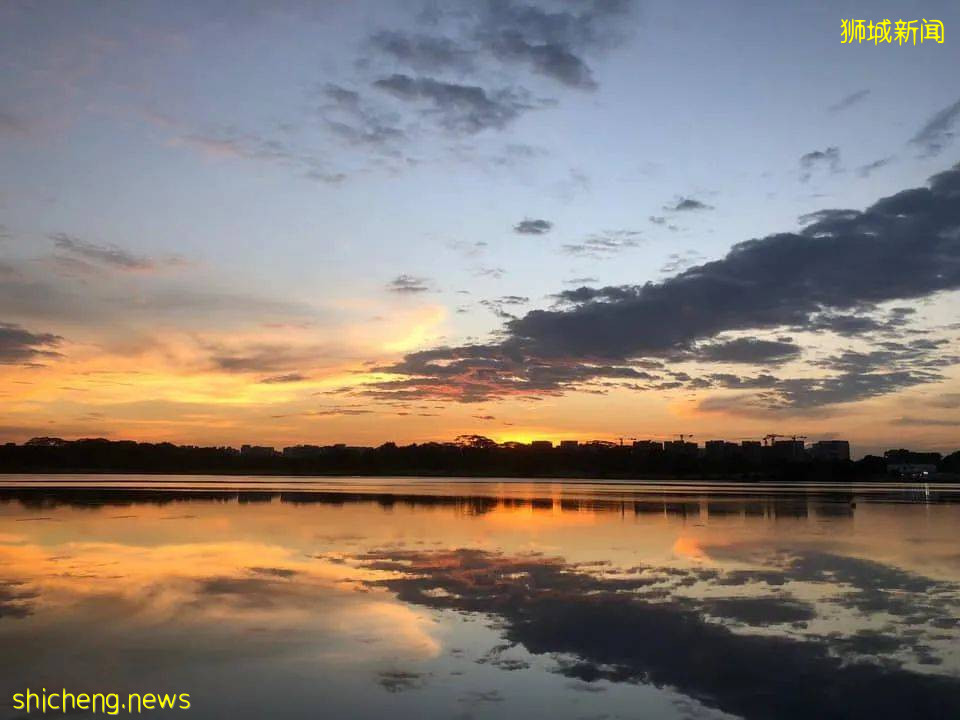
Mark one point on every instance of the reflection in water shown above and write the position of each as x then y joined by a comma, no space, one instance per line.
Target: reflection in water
487,599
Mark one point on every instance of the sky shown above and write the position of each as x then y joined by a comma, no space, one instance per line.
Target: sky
317,222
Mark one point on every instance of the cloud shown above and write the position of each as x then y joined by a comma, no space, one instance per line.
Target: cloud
286,378
870,168
812,161
396,681
856,375
408,284
490,272
863,321
937,132
265,357
497,305
533,227
424,53
355,122
849,101
679,261
109,255
604,244
16,600
18,345
748,350
615,628
553,43
459,108
475,373
550,59
905,246
926,421
685,205
227,143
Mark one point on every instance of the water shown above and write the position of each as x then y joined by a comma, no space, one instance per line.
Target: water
399,598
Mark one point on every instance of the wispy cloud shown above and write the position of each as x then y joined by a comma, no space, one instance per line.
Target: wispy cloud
408,284
938,131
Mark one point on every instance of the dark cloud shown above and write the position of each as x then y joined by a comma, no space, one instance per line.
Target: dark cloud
533,227
855,376
729,380
274,571
760,611
475,373
748,350
109,255
15,600
286,378
550,59
684,205
622,630
828,159
849,101
580,281
458,108
552,42
408,284
905,246
18,345
588,294
937,132
497,305
424,53
864,320
396,681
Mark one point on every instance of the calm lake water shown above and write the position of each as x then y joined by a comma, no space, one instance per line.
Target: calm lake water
398,598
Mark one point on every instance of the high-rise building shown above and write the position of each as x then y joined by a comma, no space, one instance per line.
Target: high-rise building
830,450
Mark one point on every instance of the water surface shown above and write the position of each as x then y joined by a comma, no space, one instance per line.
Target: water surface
444,598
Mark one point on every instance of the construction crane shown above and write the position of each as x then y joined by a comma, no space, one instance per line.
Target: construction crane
683,436
772,437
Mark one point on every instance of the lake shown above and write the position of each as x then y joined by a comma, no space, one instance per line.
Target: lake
445,598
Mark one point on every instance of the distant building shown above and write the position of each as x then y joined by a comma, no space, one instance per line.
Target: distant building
648,446
303,451
542,445
830,450
714,449
257,451
569,444
752,450
911,465
788,450
681,447
45,442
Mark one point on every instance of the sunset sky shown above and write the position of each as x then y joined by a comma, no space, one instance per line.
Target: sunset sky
316,222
